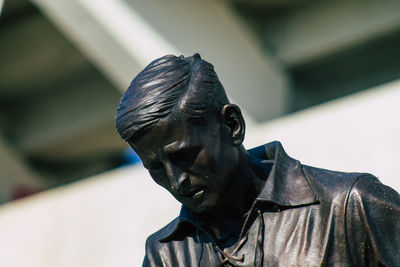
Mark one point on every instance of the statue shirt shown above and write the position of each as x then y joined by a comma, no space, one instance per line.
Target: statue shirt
304,216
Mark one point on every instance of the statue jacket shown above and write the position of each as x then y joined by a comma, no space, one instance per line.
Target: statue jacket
304,216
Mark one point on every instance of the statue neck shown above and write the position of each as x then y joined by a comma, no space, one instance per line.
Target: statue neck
248,180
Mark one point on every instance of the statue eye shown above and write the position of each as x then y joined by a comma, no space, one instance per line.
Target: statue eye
157,172
185,158
155,166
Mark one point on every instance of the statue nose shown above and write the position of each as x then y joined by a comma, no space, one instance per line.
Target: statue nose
178,179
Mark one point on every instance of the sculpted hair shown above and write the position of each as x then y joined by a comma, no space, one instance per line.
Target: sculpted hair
166,84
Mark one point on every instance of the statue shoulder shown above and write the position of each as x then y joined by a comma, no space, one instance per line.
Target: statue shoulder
373,222
332,184
154,244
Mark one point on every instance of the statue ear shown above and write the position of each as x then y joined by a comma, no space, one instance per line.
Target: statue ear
233,118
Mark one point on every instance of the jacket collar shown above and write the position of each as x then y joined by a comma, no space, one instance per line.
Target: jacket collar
286,186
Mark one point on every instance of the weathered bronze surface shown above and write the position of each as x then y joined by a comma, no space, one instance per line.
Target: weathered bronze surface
245,208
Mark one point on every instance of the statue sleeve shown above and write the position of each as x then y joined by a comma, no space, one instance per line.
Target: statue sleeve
373,223
151,258
145,262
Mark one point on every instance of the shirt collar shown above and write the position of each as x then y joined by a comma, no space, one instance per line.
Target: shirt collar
286,186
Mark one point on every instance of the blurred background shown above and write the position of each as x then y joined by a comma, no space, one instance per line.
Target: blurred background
323,77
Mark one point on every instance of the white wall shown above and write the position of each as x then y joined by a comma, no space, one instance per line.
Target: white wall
358,133
102,221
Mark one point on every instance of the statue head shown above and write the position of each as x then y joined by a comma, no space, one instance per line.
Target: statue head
177,117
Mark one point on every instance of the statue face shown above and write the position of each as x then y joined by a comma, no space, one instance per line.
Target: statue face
192,162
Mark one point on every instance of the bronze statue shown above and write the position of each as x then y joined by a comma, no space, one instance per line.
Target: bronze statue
245,208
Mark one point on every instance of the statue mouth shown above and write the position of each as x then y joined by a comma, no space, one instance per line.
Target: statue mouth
194,193
198,194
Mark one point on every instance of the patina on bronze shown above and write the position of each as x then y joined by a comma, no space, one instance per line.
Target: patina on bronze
245,208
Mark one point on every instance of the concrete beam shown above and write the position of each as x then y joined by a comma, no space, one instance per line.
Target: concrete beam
123,36
325,27
91,38
35,48
270,3
1,5
77,120
14,172
62,108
